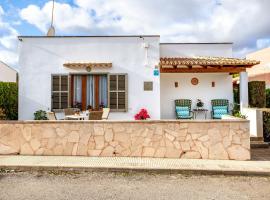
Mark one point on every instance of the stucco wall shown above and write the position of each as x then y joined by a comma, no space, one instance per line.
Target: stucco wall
193,49
185,90
215,139
7,74
41,57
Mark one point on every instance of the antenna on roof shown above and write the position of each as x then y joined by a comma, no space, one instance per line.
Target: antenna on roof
51,31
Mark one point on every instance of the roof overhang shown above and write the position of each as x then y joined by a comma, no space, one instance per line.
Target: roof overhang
87,65
204,65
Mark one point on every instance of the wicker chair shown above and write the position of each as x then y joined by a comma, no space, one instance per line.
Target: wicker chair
95,115
183,109
219,107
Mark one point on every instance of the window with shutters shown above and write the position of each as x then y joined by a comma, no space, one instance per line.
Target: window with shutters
118,92
60,91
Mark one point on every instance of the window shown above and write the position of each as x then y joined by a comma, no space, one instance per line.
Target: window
59,91
118,92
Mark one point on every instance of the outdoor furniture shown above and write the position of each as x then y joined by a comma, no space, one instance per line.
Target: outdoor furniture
183,109
200,110
51,116
95,115
74,117
219,107
105,114
69,111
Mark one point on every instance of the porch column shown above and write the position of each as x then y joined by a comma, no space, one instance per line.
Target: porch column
243,90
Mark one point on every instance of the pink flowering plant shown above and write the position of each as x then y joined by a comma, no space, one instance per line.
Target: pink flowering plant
142,115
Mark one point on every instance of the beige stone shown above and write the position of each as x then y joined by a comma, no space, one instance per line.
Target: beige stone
113,143
118,128
159,130
237,152
99,140
146,142
48,132
84,138
61,132
121,137
160,152
137,151
172,153
177,145
204,138
185,146
98,129
191,155
226,141
73,136
170,137
26,149
68,148
108,135
108,151
218,152
82,150
94,152
236,139
58,150
39,152
27,133
35,144
7,150
148,152
214,136
245,142
51,143
171,132
75,149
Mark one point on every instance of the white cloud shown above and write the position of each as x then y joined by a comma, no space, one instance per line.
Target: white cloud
242,22
8,41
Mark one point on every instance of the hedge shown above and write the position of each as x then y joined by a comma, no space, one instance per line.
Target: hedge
256,94
266,126
268,98
9,100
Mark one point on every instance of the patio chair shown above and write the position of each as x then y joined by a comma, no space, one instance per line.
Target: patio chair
51,116
183,109
219,107
69,111
95,115
105,114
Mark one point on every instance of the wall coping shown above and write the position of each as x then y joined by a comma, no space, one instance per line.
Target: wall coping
120,121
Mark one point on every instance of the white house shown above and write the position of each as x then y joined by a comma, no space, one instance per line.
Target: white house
125,73
7,73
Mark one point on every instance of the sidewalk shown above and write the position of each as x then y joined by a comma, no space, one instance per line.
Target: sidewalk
137,164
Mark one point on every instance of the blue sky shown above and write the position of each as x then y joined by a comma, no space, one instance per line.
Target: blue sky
243,22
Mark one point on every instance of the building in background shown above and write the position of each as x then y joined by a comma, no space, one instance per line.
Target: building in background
7,73
260,72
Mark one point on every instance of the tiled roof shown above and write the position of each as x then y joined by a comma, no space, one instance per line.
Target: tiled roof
205,61
87,64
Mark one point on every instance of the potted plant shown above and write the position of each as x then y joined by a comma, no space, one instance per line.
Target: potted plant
40,115
142,115
199,104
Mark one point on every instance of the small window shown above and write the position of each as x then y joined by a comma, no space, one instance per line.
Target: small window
59,91
118,92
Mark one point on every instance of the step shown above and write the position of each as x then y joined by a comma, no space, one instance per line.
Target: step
258,144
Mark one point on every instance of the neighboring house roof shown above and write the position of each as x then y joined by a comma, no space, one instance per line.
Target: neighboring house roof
7,73
220,61
4,64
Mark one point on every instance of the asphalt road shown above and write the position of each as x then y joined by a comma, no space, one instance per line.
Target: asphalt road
102,185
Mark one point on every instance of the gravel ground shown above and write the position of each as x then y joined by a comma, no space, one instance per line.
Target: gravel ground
108,185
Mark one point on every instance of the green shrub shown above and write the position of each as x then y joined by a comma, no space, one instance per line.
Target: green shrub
266,126
9,100
236,97
256,94
40,115
267,98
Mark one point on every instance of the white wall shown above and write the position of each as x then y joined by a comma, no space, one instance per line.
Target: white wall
204,90
7,74
195,49
255,116
42,56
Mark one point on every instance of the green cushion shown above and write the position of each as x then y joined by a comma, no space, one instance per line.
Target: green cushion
218,111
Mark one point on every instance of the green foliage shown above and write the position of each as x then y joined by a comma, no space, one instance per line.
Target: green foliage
235,75
267,98
266,126
236,109
40,115
256,94
239,114
9,100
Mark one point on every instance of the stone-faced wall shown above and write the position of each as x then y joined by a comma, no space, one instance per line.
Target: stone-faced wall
213,139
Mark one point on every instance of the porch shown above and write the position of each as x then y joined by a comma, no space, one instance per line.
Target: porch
203,78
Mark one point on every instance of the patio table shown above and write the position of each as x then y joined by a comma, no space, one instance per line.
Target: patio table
200,110
75,117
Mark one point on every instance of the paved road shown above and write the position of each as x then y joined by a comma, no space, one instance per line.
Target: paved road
63,185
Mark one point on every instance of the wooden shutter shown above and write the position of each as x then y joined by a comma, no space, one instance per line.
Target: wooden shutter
60,88
118,92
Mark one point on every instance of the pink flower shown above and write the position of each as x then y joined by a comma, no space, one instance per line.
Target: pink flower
142,115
